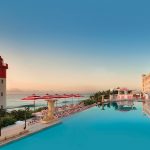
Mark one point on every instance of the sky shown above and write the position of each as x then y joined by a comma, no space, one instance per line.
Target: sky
78,45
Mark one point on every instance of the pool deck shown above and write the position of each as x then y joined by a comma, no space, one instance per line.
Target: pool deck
14,133
21,133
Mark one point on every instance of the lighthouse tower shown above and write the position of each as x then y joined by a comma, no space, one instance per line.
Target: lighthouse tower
3,68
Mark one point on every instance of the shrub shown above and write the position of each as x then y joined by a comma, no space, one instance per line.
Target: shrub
20,114
6,121
3,112
40,109
89,102
10,118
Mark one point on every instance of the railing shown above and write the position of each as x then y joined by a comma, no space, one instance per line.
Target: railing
4,65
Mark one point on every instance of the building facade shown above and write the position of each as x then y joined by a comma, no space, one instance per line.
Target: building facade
121,94
146,108
3,69
146,83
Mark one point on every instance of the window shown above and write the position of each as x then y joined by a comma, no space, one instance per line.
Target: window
2,81
1,93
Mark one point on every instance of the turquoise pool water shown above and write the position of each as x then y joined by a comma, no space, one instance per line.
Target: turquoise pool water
115,127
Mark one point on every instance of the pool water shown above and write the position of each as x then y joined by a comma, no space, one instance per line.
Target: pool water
109,127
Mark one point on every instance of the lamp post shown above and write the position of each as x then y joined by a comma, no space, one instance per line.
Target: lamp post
25,117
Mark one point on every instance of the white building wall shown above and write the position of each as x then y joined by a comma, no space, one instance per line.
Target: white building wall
2,92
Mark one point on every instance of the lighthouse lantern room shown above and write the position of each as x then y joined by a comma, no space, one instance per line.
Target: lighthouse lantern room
3,69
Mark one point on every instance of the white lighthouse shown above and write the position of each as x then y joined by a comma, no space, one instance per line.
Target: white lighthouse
3,68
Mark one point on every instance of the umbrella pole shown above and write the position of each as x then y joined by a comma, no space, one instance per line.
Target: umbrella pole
56,103
47,103
34,105
72,100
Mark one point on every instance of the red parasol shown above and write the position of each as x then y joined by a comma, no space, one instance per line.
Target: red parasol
58,96
33,97
47,96
67,95
78,95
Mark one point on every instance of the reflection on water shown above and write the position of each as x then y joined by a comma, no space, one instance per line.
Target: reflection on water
126,106
123,106
146,108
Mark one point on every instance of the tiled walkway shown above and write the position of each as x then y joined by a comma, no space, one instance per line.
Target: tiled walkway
17,131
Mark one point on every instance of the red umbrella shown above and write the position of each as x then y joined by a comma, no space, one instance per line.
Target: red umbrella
33,97
65,96
47,96
71,96
68,95
75,95
51,97
78,95
58,96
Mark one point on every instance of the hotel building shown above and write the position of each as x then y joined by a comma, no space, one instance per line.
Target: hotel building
122,94
146,83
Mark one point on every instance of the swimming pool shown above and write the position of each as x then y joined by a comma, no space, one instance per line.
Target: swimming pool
115,126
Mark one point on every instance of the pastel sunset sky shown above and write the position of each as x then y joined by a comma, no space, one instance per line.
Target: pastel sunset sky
75,45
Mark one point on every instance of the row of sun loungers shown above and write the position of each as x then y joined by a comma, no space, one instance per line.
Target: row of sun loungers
67,111
60,112
32,122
